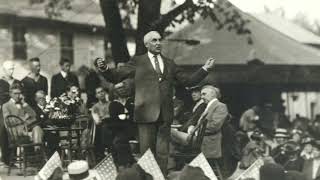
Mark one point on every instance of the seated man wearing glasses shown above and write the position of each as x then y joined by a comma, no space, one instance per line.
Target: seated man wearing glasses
18,107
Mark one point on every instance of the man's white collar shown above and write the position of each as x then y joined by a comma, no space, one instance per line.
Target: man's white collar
151,55
211,102
64,74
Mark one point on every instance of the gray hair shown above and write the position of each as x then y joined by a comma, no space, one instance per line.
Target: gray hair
147,37
7,64
215,89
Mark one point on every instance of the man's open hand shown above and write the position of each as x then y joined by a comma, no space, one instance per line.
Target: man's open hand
209,64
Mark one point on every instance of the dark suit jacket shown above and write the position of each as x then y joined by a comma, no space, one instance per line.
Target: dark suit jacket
153,97
60,84
217,113
41,116
124,129
194,117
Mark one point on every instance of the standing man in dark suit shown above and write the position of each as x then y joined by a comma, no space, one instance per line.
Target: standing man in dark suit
154,78
34,82
63,79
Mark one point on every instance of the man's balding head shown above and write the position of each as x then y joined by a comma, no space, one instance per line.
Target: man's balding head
152,42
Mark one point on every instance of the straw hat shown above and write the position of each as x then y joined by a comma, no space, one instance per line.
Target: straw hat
79,170
281,133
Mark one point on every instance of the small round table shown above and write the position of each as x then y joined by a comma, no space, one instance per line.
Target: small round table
69,137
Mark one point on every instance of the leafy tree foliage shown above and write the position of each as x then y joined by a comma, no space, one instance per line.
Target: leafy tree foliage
221,12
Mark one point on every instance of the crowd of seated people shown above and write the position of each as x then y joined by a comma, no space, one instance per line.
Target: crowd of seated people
293,146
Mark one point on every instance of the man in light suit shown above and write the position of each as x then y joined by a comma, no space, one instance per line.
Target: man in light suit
154,77
215,113
18,107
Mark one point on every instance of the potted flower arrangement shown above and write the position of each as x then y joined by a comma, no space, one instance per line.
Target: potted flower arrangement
61,110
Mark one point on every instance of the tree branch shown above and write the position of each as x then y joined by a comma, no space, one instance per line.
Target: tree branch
165,20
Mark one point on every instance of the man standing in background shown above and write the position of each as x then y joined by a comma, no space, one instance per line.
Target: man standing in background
63,79
34,82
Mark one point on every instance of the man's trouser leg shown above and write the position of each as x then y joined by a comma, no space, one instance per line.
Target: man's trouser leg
179,137
155,136
4,145
147,137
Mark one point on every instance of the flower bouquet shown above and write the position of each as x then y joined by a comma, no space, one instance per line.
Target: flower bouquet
61,110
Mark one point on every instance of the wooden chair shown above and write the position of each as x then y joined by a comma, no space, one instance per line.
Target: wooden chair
83,149
193,148
82,121
187,153
21,142
87,148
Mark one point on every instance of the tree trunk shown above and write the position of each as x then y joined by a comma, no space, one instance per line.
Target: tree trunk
114,30
149,11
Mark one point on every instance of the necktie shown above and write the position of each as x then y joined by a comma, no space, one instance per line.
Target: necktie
156,62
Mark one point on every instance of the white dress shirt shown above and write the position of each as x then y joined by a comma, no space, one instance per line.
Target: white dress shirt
64,74
152,59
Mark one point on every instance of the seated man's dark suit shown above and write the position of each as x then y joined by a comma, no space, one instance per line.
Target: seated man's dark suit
59,84
41,116
52,138
196,113
153,100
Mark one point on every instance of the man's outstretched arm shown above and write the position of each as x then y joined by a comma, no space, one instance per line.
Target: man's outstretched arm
193,79
116,75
